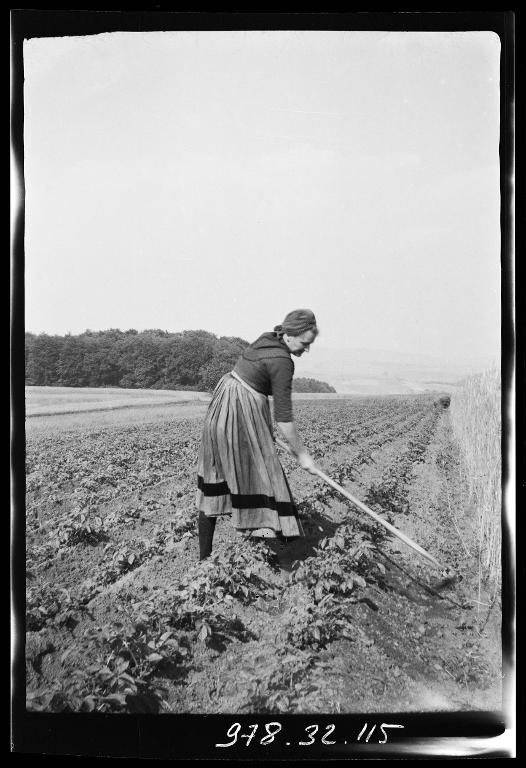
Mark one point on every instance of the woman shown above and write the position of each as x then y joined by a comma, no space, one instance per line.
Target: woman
239,472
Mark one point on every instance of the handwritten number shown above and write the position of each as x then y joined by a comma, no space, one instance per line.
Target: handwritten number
237,728
271,733
362,732
251,735
330,728
274,728
312,729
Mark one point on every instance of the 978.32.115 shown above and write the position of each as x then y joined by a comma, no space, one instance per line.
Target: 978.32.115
313,734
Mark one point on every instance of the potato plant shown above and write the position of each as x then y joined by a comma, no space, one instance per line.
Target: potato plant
47,604
277,682
229,573
87,527
313,625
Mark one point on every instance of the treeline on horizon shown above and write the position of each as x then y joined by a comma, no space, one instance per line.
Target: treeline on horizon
151,359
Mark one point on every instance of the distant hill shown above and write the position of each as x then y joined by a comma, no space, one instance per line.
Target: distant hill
368,371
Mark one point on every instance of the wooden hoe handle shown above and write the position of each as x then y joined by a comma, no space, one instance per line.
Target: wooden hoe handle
368,511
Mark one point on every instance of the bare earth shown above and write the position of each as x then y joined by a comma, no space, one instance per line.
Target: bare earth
111,540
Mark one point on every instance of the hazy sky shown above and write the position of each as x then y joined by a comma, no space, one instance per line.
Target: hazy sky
217,180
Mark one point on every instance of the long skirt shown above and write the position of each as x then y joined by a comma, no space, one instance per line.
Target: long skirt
239,472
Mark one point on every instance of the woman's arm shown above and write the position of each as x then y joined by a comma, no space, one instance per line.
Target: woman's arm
290,433
281,371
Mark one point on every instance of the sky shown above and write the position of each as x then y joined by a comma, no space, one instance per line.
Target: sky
217,180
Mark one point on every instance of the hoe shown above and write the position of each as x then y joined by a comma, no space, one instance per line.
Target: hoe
448,573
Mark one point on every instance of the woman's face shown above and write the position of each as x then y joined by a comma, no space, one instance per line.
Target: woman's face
299,344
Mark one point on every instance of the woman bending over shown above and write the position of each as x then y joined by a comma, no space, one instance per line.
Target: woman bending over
239,472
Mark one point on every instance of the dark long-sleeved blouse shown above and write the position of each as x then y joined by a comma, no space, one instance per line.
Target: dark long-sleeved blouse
266,365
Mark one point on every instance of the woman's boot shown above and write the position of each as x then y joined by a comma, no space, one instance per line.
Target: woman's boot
206,528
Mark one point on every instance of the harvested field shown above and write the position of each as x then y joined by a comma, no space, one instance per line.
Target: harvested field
54,401
122,618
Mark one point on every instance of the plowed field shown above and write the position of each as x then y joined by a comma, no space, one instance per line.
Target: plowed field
121,617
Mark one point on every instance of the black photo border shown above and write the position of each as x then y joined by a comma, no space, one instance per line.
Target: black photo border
185,736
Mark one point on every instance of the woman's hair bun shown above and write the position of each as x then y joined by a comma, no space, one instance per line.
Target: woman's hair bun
297,322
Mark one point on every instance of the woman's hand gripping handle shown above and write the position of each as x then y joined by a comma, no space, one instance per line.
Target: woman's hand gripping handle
295,447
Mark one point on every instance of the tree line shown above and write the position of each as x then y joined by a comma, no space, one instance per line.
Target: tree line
311,385
152,359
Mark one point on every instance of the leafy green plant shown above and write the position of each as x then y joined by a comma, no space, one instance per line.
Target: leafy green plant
123,559
227,574
208,625
110,686
123,676
55,698
283,679
86,527
47,604
277,682
127,559
147,650
314,626
334,567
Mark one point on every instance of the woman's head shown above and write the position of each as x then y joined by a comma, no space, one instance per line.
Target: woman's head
298,330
